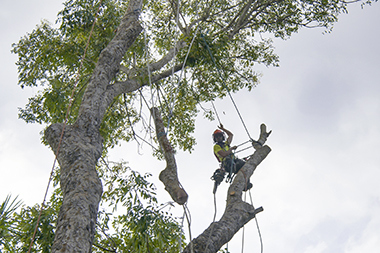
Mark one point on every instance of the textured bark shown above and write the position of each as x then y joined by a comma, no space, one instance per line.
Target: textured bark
81,144
81,187
237,212
169,175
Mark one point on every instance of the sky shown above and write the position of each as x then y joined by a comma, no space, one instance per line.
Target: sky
319,186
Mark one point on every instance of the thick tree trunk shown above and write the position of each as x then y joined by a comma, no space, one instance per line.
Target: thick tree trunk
81,145
81,187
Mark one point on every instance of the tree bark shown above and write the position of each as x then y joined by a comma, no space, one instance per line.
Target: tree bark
169,175
81,187
81,145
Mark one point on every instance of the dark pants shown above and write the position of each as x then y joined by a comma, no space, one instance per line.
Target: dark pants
232,165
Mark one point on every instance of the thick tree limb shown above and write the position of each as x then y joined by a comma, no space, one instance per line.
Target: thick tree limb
169,175
80,185
155,65
95,102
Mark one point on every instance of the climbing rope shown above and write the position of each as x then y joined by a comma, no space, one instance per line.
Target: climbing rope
171,103
257,226
213,223
64,126
226,87
188,218
216,112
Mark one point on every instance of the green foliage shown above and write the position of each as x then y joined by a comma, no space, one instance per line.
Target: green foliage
21,226
143,225
225,250
7,208
130,218
237,34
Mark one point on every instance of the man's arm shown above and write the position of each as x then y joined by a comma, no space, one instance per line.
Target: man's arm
229,134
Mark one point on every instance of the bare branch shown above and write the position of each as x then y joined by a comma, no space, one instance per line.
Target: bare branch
169,175
156,65
136,83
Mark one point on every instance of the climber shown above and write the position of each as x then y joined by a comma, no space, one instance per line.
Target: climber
224,153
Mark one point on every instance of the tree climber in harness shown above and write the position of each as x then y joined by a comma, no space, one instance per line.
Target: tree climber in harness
224,154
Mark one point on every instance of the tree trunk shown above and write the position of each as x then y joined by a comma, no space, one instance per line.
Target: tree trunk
81,187
81,144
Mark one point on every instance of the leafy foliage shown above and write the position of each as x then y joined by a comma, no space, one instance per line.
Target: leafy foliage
235,33
143,225
21,225
130,219
7,208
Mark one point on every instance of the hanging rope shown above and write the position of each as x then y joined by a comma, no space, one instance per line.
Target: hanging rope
213,222
64,126
226,87
257,225
216,112
171,103
188,218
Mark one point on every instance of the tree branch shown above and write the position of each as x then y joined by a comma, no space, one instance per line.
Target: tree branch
156,65
91,111
136,83
169,175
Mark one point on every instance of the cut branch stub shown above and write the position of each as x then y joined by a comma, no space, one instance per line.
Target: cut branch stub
263,137
169,175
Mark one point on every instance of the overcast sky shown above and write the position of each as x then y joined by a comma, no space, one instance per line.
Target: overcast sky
320,184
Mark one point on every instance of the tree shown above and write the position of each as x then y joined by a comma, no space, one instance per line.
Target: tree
129,220
172,49
7,208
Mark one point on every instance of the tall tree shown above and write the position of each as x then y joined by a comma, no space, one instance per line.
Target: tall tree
183,52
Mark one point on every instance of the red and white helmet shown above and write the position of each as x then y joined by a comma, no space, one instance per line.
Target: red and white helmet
216,133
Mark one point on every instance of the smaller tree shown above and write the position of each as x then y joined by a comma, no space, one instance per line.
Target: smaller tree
7,229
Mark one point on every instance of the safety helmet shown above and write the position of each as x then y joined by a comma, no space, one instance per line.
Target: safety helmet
216,133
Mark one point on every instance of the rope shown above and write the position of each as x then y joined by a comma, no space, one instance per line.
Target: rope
170,104
64,126
180,78
188,218
213,220
216,112
257,225
226,87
